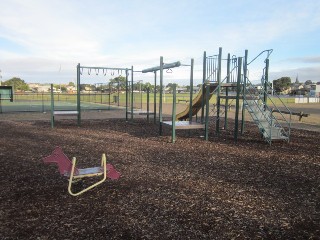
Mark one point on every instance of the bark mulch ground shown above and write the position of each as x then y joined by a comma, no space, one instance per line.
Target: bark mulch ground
192,189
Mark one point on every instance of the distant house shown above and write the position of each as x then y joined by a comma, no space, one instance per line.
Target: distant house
312,90
71,89
36,87
182,90
315,90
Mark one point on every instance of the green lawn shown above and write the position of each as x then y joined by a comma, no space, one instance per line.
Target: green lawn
103,98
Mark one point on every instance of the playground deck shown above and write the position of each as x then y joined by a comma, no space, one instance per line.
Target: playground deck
185,125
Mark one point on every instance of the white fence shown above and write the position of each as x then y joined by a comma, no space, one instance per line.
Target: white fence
307,100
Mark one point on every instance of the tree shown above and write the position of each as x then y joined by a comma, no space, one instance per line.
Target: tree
71,84
308,82
118,80
281,84
170,86
64,89
17,84
148,85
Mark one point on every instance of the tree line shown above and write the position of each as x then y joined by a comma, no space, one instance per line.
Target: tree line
117,83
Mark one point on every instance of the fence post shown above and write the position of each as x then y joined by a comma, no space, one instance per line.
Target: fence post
52,107
148,93
0,104
42,102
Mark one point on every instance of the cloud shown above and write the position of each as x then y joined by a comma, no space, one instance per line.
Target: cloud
306,59
120,34
305,73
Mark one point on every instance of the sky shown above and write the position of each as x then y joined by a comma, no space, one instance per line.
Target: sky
42,41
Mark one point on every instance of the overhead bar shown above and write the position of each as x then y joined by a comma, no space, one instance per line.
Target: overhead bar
106,68
165,66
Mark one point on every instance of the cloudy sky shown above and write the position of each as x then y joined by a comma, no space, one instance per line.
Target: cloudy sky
42,41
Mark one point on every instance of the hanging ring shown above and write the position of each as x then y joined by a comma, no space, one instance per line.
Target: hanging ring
97,71
89,71
104,72
169,70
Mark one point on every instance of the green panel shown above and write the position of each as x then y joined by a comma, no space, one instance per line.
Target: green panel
6,93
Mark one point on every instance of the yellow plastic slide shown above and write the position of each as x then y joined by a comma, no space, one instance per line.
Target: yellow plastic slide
196,104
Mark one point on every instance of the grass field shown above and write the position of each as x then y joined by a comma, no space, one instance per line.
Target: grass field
106,98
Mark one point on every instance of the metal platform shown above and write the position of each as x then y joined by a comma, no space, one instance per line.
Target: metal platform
185,125
65,113
140,112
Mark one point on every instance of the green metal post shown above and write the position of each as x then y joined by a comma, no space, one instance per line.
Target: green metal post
244,90
173,132
191,90
0,103
118,88
236,127
160,95
148,95
127,92
207,112
266,79
155,98
203,86
109,94
140,96
227,94
78,94
131,93
52,106
218,91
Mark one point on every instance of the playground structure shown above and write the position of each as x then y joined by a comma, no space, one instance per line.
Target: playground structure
257,102
80,71
173,124
234,86
68,169
247,96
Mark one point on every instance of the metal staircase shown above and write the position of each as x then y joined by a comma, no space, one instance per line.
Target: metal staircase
272,123
268,125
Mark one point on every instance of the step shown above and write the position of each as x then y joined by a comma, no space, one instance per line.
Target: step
263,125
230,97
251,98
276,133
260,117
